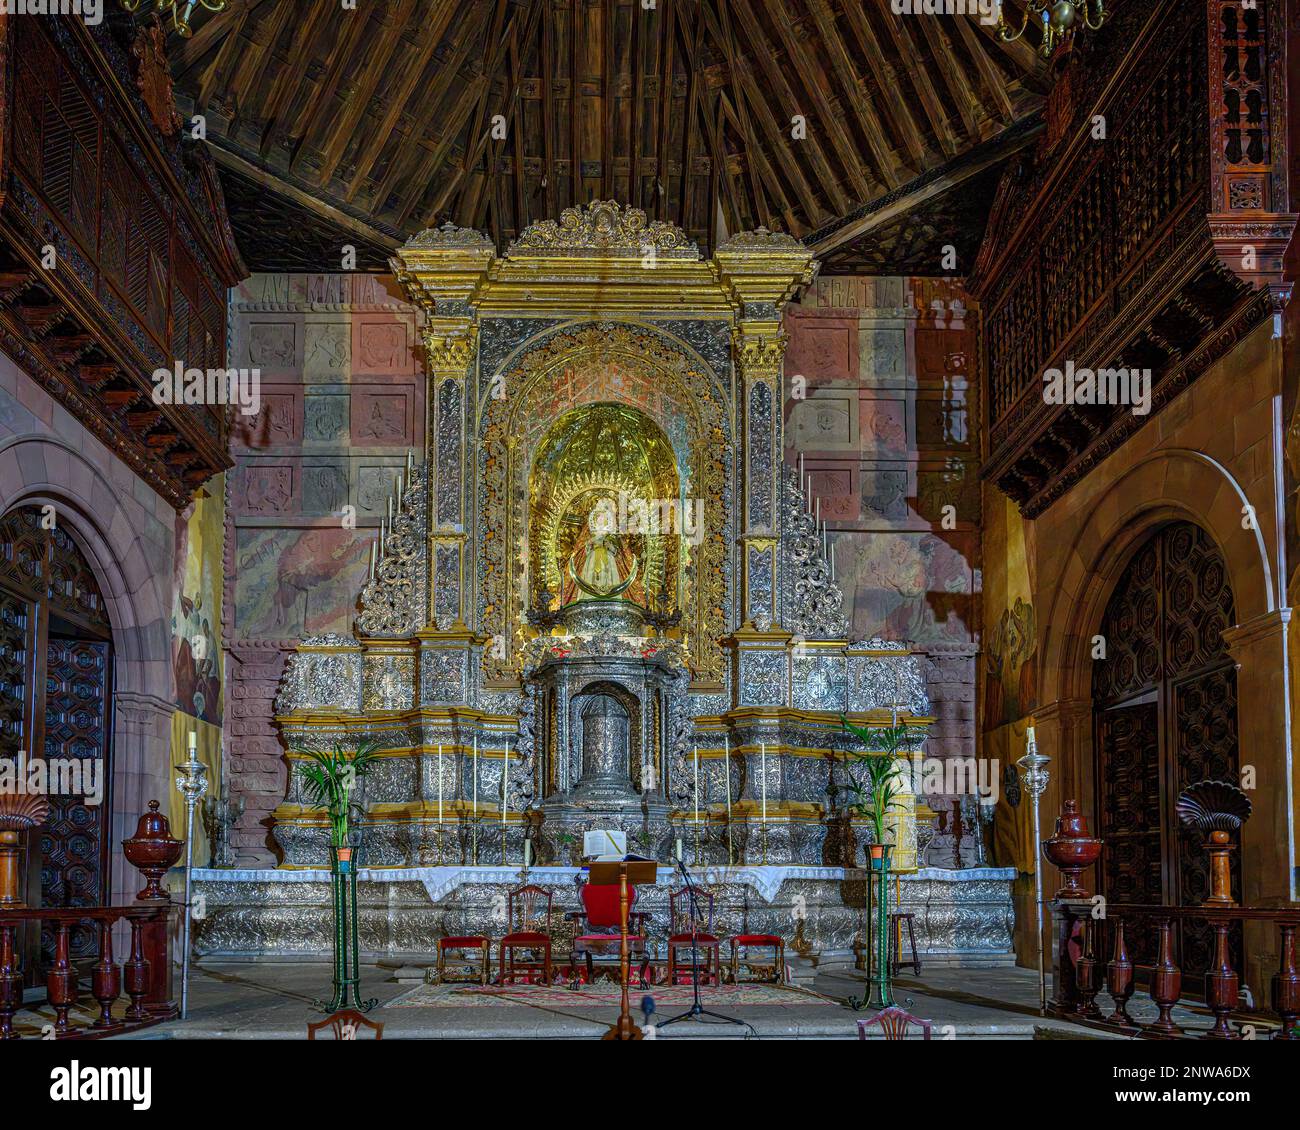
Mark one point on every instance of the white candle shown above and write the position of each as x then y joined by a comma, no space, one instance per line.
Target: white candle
410,463
697,785
439,784
528,853
374,558
505,803
474,770
762,769
390,507
679,849
1030,744
194,741
801,467
401,486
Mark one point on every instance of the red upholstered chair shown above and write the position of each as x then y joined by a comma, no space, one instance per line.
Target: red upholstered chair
707,945
743,942
345,1025
464,943
528,922
598,929
894,1023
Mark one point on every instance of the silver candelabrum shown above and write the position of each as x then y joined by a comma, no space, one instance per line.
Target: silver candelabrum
192,784
220,815
1034,774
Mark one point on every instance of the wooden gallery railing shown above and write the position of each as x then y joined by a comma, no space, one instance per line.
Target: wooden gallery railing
145,974
1093,953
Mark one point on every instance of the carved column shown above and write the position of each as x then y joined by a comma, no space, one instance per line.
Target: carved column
1251,220
450,347
759,351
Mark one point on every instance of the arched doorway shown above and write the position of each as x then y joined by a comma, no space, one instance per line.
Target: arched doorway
1165,717
56,668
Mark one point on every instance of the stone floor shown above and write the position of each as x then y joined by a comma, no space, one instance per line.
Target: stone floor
265,1000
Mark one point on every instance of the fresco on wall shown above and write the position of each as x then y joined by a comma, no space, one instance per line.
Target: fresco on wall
908,586
292,583
196,605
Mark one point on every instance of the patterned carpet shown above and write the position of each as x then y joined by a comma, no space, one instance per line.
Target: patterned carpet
603,994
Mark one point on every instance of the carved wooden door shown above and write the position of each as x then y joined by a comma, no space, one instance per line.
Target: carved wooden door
1165,702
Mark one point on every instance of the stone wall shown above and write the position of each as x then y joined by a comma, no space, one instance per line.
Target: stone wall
342,405
886,426
127,532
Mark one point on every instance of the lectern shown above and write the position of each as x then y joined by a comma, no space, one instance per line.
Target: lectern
626,873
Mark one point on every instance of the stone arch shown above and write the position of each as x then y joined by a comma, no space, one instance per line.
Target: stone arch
1167,486
109,529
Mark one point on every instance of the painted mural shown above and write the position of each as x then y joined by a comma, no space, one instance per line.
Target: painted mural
196,607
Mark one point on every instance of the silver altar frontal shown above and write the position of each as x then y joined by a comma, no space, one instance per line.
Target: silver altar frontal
603,600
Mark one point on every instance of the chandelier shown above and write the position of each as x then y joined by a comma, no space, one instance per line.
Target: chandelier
1059,20
180,10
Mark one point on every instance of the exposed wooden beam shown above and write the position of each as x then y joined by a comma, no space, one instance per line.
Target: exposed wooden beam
916,73
955,81
664,67
894,109
547,69
245,88
808,71
575,124
228,51
406,82
376,69
991,80
691,50
289,82
833,43
424,154
317,116
607,99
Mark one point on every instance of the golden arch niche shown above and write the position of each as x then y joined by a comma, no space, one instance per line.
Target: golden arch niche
588,411
601,485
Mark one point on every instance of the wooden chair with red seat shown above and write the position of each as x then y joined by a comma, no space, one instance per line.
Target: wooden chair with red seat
706,943
528,922
894,1023
774,942
598,929
464,942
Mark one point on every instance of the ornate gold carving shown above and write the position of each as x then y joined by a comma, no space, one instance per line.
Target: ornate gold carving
608,363
604,228
449,346
759,352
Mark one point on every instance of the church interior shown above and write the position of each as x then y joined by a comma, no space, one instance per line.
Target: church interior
550,518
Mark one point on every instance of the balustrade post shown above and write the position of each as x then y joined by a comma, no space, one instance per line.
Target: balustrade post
1221,986
1119,979
1286,985
1069,919
106,979
61,981
1166,983
136,973
1085,972
11,981
157,933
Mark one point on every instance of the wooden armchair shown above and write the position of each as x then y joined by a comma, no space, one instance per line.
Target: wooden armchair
706,943
597,931
345,1025
528,926
894,1023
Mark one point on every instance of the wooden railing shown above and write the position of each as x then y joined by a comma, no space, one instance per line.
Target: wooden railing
1094,953
145,974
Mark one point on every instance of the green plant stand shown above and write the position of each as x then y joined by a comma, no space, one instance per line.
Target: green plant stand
347,960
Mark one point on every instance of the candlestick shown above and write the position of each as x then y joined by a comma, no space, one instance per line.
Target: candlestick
505,801
474,825
192,783
1035,776
697,784
440,829
726,776
762,769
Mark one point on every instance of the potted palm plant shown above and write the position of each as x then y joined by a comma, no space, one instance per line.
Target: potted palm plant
329,780
876,779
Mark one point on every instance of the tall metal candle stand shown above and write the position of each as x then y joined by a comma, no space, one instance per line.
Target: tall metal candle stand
192,784
1034,774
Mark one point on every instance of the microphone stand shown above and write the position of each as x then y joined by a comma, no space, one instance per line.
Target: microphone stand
697,1009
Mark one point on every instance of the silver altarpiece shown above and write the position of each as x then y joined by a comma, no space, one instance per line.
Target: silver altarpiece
602,603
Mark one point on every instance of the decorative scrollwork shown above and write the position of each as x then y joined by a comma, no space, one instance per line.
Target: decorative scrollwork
812,605
605,228
393,603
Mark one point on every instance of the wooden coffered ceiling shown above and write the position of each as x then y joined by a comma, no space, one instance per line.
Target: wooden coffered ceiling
335,126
